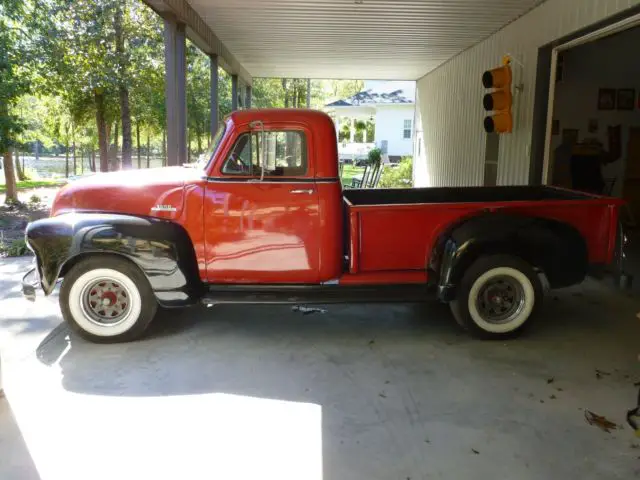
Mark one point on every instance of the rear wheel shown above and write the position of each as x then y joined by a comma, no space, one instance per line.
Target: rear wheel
107,300
497,297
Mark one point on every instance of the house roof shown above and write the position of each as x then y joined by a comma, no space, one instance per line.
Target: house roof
387,93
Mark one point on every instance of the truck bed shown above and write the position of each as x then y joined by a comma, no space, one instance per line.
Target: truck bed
460,195
396,229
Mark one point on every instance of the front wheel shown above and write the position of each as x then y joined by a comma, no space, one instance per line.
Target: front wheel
497,296
107,300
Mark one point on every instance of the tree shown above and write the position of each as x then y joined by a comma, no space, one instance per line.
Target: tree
122,67
14,82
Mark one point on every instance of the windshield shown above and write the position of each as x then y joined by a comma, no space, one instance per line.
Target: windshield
205,158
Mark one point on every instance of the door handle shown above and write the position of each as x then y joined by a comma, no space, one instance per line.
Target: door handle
308,191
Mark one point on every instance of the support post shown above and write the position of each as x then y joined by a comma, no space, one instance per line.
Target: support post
214,95
308,93
175,91
247,100
234,92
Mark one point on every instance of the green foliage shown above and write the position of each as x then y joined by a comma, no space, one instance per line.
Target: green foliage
34,199
375,156
17,248
399,176
29,184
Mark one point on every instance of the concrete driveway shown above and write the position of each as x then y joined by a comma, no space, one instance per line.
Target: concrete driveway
359,392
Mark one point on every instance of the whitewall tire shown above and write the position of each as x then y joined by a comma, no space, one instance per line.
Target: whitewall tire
107,299
497,296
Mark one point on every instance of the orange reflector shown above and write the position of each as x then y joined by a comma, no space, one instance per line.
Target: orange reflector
501,122
497,78
500,100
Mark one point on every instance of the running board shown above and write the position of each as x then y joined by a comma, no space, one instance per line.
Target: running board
315,294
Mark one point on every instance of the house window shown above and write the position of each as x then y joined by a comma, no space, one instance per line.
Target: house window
406,133
284,153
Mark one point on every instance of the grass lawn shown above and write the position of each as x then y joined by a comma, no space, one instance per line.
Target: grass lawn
348,172
28,184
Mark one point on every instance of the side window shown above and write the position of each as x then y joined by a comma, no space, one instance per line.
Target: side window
285,154
238,161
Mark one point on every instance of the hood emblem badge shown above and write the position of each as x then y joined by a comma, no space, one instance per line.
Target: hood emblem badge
163,208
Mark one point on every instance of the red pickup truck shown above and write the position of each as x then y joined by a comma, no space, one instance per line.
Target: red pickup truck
263,218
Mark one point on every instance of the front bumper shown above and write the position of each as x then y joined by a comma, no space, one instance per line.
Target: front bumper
30,282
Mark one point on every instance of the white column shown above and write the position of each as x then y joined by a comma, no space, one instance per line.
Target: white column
352,130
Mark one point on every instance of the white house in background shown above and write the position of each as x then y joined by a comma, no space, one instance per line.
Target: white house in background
391,106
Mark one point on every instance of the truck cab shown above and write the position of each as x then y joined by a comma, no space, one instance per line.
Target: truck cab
263,218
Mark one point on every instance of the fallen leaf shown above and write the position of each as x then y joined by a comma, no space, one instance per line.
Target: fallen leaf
387,382
426,440
599,421
382,395
635,445
531,395
552,397
550,380
541,401
559,389
475,451
602,372
371,342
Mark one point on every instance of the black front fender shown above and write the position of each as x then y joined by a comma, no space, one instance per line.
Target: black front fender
160,248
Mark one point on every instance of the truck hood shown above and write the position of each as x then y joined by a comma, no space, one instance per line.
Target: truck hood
157,192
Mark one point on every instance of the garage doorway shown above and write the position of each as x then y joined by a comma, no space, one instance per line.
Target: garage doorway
593,113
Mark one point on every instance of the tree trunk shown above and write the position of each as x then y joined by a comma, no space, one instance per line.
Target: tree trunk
19,169
37,150
164,147
199,140
148,150
73,143
10,178
286,93
101,124
125,114
114,153
126,128
138,143
92,160
66,160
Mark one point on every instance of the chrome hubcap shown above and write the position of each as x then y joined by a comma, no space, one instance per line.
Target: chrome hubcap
106,302
500,299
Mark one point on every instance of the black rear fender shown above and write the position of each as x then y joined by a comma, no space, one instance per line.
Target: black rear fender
554,248
160,248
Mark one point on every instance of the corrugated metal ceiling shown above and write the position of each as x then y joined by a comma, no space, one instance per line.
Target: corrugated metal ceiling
374,39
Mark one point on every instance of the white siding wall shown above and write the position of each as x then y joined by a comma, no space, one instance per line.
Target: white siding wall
449,99
389,125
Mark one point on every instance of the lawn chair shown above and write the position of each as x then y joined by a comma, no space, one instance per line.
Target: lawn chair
376,177
360,181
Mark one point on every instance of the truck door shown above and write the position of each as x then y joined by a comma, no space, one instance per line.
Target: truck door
261,211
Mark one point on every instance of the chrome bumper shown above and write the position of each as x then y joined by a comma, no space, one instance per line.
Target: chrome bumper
29,284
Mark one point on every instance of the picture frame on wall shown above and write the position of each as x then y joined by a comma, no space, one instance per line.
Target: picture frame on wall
607,99
626,99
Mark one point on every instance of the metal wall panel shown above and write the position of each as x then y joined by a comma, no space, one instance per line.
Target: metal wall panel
449,99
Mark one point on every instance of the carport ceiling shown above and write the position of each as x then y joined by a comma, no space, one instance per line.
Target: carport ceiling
374,39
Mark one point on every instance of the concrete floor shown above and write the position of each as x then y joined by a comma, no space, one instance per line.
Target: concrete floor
360,392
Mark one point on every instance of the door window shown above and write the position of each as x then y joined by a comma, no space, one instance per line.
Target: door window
284,152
